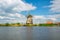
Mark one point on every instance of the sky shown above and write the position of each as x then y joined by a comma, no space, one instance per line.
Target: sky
12,11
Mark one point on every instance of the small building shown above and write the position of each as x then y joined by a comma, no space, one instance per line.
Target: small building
58,23
29,19
49,22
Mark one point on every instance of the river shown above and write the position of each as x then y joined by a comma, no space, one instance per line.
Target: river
36,33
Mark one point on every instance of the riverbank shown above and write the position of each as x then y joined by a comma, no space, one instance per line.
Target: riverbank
18,24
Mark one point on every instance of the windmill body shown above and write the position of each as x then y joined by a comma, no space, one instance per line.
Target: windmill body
29,19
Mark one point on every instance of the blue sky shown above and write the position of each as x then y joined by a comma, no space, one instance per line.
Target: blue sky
40,10
13,11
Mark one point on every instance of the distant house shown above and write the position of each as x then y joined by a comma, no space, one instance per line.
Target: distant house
49,22
58,23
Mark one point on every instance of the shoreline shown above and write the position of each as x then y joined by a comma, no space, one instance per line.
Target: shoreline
19,25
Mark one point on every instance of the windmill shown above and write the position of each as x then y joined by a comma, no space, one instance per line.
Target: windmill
29,19
29,29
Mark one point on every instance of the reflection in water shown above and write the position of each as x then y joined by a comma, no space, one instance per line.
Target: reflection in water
32,33
29,33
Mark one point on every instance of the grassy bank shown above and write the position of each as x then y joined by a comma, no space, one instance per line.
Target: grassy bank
18,24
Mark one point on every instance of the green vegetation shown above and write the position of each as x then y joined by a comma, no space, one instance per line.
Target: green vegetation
11,24
18,24
47,24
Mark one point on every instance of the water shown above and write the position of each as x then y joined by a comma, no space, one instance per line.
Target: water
36,33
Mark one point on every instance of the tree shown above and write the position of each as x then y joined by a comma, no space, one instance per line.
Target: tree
7,24
18,23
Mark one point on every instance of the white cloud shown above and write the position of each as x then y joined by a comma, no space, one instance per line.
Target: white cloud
44,19
16,15
55,6
39,17
54,16
24,7
15,5
1,17
53,19
10,10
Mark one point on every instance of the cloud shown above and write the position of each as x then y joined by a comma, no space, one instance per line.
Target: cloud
55,6
10,10
12,18
45,18
39,17
16,15
15,6
55,16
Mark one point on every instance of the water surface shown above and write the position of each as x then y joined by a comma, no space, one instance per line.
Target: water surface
37,33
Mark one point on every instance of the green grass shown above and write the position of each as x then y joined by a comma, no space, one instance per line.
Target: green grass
18,24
